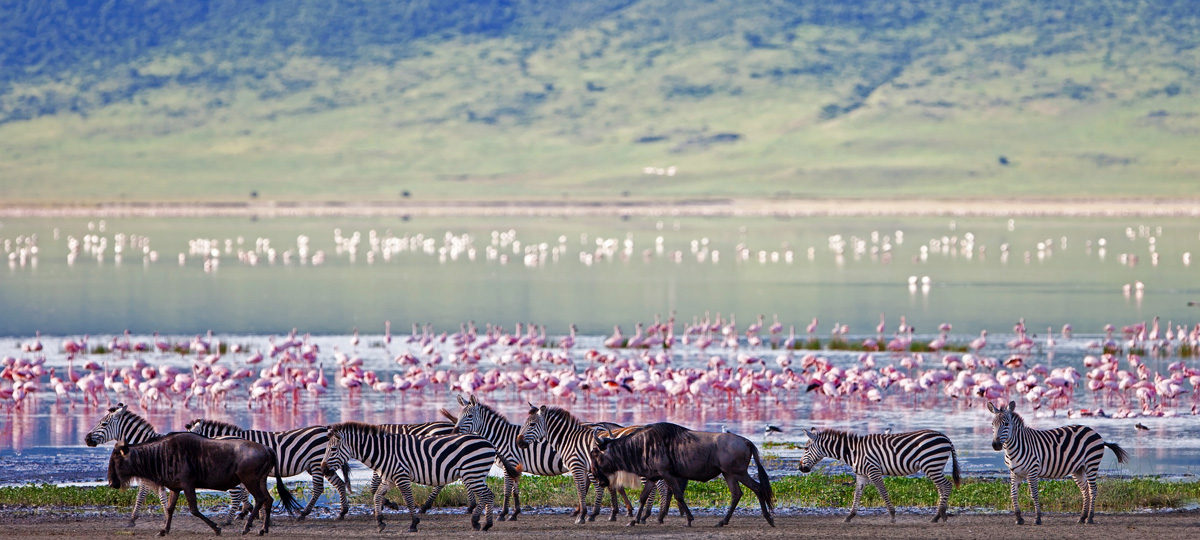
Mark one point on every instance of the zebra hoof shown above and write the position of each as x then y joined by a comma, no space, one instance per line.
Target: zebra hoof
1020,520
131,524
1037,521
720,524
631,523
592,517
487,524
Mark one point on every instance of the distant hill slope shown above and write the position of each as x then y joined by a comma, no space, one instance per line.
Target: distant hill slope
602,99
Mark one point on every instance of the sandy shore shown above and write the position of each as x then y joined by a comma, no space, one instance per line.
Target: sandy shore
916,207
107,525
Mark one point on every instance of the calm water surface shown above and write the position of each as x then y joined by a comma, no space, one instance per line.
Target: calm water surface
247,280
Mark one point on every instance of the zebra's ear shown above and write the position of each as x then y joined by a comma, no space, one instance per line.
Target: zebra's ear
474,400
542,410
1012,406
992,408
462,401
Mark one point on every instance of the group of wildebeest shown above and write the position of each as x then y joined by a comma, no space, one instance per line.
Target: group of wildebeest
660,458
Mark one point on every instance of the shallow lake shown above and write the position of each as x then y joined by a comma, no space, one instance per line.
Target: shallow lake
251,280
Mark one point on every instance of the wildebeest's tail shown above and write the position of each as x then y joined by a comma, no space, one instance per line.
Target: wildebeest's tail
285,496
763,479
1122,455
955,472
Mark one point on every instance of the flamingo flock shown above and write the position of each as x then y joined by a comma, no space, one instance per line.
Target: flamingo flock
709,361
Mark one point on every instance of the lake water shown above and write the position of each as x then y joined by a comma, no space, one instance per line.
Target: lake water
186,277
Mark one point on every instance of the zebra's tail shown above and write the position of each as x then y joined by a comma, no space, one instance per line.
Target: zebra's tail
510,470
955,472
285,496
1122,455
763,479
346,475
449,415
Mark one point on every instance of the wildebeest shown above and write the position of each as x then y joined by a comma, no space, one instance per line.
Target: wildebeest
186,462
676,454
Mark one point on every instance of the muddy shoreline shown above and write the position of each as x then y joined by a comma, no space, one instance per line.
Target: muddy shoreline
789,208
106,524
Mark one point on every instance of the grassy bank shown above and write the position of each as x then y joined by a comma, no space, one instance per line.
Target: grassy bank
815,490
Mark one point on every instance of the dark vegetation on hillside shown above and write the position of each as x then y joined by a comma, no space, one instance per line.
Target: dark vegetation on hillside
80,55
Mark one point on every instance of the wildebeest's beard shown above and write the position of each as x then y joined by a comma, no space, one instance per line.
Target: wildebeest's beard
597,473
115,480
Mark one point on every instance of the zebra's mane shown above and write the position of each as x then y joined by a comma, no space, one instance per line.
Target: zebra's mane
219,425
132,417
357,427
559,414
491,412
838,434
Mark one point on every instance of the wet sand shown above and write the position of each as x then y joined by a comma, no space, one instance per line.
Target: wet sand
1167,525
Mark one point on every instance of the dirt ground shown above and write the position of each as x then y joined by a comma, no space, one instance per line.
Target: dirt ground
108,525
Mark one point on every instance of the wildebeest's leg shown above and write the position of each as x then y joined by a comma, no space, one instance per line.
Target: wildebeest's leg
169,512
735,492
759,491
666,505
628,504
859,482
262,503
677,486
190,493
641,506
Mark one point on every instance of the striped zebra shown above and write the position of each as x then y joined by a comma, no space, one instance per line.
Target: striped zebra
538,458
573,441
874,456
299,451
128,428
1034,454
403,459
424,429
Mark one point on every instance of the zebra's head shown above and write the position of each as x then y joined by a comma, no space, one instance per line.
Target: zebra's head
111,427
534,428
470,419
815,451
1002,424
333,453
195,426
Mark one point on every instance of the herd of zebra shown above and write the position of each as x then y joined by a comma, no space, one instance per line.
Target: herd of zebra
661,458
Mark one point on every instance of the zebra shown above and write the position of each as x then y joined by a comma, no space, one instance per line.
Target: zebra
128,428
299,451
573,440
425,429
1034,454
538,458
402,459
874,456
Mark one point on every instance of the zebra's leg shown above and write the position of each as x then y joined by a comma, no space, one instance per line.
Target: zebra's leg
877,479
859,482
666,504
318,487
343,494
1014,487
1033,494
1091,483
169,512
944,488
241,501
375,481
508,489
1081,483
481,492
664,497
433,495
379,497
143,488
405,486
582,483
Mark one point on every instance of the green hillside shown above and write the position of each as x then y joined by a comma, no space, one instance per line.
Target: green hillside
179,100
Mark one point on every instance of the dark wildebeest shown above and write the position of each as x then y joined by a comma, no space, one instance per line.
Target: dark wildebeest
676,454
186,461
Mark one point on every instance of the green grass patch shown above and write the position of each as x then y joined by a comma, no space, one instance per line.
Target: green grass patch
813,490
